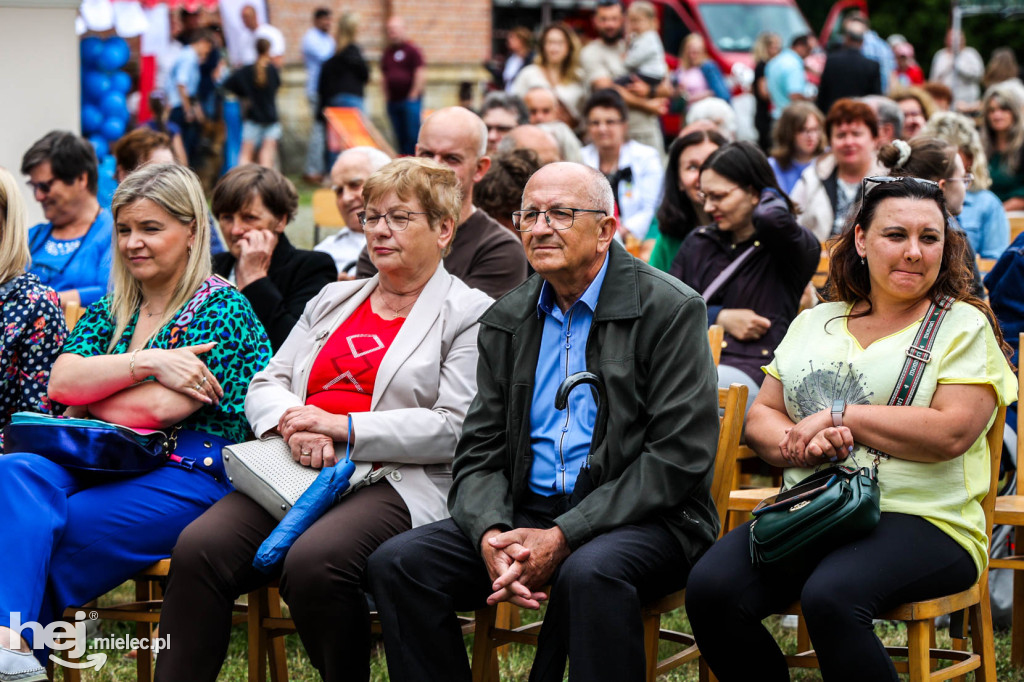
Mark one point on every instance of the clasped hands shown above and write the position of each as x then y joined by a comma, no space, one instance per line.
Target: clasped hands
310,433
520,561
815,440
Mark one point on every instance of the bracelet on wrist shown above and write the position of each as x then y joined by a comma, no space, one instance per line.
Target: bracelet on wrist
131,367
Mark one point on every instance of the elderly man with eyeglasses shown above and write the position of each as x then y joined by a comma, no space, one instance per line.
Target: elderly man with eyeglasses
610,512
71,250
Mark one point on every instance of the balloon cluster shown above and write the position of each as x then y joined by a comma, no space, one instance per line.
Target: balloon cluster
104,89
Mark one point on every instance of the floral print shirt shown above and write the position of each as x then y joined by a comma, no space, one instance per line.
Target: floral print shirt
32,336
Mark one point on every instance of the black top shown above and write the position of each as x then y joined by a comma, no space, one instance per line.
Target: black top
769,282
261,102
345,73
295,276
848,73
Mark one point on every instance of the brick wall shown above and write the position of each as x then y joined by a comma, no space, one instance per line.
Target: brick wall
455,36
448,31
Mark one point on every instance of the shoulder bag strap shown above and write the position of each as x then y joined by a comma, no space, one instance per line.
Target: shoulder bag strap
918,356
724,275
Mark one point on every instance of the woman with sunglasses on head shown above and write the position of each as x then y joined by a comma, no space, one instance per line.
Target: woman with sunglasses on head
384,367
758,296
826,398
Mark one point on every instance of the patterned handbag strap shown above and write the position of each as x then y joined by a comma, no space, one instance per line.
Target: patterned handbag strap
918,356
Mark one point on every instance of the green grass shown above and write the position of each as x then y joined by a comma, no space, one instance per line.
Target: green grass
514,667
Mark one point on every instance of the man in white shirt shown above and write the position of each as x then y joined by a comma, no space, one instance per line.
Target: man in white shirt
254,31
965,78
633,169
317,47
348,175
602,61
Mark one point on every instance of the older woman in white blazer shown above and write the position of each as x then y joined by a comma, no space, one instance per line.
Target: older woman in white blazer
385,367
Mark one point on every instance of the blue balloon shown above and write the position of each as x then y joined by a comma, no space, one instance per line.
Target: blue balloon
121,82
95,85
112,129
100,145
92,119
114,106
90,50
115,54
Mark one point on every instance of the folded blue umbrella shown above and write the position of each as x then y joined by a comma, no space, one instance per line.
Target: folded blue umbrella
324,493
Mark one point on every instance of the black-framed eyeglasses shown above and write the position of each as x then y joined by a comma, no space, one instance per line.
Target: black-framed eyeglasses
396,220
556,218
43,187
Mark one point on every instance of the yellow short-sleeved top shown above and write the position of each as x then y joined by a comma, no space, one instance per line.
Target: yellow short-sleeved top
819,361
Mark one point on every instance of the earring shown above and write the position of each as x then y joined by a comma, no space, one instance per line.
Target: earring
189,250
862,261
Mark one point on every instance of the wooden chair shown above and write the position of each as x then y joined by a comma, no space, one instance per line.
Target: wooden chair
821,274
72,314
716,335
144,612
985,265
489,636
1016,223
919,616
325,213
1009,511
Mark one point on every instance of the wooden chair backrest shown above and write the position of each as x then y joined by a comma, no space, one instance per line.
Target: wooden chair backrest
716,334
985,265
325,209
995,448
1016,224
733,402
72,314
821,274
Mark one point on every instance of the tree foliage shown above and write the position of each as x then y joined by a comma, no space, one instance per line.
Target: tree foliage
924,23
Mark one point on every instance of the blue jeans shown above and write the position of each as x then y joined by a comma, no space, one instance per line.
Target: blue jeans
405,120
233,133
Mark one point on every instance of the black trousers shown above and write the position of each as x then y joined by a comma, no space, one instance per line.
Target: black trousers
421,578
321,580
905,558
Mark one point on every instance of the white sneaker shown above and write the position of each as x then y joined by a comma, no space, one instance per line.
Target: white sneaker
20,666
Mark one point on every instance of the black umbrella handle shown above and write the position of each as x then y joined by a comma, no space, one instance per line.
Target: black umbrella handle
574,380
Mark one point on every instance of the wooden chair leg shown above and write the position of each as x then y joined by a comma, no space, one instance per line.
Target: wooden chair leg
144,655
1017,625
485,658
803,638
704,672
275,645
257,635
918,650
507,617
982,636
652,630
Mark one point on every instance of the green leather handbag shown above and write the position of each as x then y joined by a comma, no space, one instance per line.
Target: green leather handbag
826,510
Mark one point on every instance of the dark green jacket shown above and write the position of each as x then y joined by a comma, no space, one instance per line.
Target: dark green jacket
648,343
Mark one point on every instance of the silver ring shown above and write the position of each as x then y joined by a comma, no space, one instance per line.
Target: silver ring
204,380
306,453
197,387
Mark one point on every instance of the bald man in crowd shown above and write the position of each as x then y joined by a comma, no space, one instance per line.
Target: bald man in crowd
348,175
543,143
541,105
484,254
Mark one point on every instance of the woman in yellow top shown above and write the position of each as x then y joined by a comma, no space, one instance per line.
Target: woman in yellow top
826,398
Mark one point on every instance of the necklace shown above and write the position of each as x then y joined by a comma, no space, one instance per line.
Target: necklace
396,311
145,306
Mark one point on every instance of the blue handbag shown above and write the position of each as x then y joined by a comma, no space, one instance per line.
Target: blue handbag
322,494
89,446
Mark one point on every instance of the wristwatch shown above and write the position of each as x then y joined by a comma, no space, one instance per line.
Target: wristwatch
838,408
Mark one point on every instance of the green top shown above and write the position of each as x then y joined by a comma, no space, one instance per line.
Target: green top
1005,185
665,250
819,360
218,312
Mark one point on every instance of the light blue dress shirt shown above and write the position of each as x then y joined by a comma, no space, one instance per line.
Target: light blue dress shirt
317,48
185,71
560,440
985,223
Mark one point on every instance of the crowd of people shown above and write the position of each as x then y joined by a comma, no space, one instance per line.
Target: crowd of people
551,233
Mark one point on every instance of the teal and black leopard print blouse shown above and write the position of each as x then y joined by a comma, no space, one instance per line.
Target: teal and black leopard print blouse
217,312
